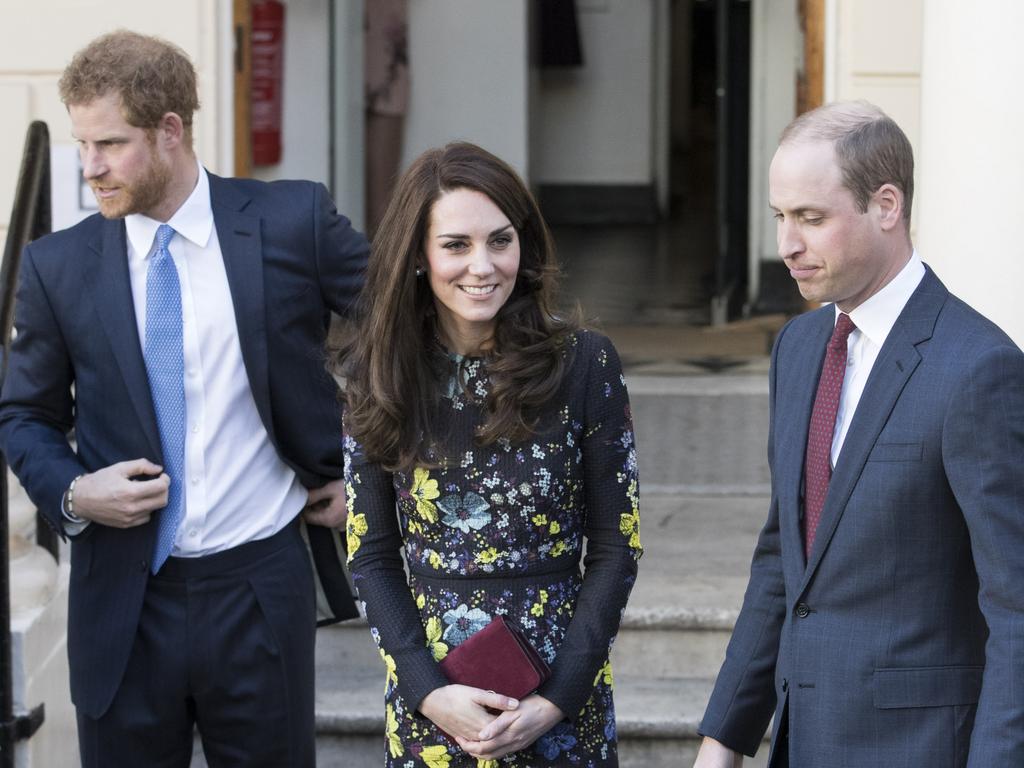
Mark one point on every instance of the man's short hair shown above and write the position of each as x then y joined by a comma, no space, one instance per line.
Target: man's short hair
870,147
151,76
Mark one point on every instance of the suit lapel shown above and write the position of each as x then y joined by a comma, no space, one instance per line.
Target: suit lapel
112,288
239,234
896,362
795,399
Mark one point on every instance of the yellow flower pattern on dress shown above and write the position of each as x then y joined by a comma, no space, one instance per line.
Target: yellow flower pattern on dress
391,677
629,525
481,763
538,608
436,756
629,522
391,730
355,527
488,555
604,675
433,629
424,490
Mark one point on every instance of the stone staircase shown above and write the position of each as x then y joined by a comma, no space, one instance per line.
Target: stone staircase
704,491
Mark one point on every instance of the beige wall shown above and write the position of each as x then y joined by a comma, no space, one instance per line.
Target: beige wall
468,63
947,72
972,156
873,52
37,39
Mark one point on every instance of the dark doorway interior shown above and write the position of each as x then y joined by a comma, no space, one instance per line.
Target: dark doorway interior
689,268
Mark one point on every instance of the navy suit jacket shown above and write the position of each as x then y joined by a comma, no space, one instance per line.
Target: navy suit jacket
290,260
900,642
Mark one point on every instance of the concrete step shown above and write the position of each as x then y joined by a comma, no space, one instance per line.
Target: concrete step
690,586
657,719
701,434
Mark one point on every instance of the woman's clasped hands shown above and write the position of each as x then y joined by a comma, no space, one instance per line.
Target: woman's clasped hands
468,714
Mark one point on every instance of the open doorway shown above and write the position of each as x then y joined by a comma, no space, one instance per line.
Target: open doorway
687,265
709,119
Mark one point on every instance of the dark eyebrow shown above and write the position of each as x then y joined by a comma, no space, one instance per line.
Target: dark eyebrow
456,236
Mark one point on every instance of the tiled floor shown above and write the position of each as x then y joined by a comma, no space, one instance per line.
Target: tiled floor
649,289
638,275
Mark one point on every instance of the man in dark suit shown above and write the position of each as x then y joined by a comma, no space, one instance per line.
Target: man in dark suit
883,624
181,334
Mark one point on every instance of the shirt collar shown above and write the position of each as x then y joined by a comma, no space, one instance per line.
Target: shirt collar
876,316
193,220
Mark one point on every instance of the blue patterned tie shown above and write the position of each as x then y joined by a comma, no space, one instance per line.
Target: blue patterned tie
165,364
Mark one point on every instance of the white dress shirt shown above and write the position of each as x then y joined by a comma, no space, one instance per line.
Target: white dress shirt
237,488
874,320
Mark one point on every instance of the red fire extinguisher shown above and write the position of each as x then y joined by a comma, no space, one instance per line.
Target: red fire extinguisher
267,80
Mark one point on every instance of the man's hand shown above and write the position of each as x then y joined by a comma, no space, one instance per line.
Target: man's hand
714,754
514,730
109,496
326,505
462,710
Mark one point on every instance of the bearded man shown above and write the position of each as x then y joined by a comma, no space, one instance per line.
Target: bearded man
180,332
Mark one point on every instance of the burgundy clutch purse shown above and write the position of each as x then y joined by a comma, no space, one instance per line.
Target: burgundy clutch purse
497,658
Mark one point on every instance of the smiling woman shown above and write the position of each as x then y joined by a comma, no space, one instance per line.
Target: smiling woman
472,254
502,434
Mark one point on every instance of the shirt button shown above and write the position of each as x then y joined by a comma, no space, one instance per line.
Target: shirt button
195,481
195,428
193,533
192,372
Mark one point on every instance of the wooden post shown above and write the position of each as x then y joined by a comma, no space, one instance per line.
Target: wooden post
810,88
242,23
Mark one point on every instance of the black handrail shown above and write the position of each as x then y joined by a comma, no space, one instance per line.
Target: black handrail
30,219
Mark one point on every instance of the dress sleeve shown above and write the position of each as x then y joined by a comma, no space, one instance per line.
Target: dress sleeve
612,527
378,574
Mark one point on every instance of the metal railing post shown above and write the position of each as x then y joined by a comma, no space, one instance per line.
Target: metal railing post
30,219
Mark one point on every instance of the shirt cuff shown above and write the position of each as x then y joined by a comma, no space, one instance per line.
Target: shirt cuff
73,524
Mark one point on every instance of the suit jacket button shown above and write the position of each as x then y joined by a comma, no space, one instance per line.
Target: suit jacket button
785,685
143,566
802,610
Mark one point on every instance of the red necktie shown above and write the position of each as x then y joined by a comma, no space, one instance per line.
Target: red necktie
818,461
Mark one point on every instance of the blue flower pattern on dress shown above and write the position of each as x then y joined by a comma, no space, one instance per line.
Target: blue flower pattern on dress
465,513
462,623
558,739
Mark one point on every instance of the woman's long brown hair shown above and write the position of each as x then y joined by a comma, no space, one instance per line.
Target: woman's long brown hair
393,366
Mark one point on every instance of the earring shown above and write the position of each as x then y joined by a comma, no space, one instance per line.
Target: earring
420,271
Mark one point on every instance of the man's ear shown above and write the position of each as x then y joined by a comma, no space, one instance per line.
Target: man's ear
171,130
889,200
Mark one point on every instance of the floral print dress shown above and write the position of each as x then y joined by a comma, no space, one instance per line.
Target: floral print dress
500,530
